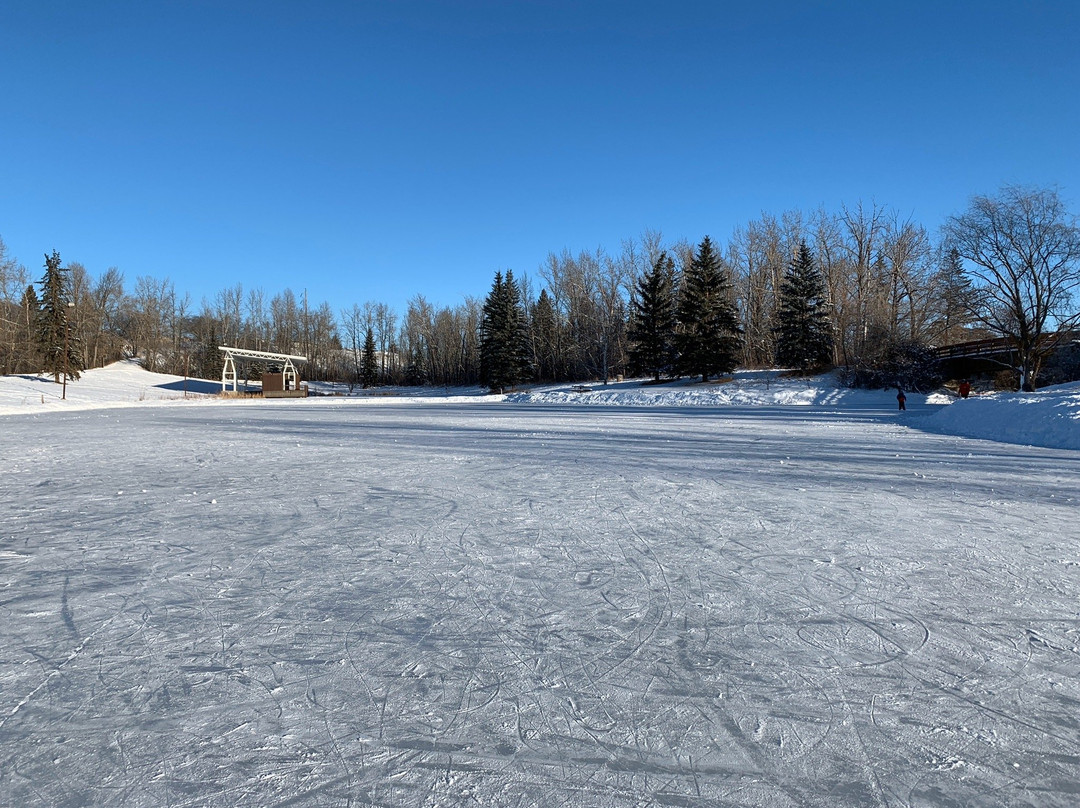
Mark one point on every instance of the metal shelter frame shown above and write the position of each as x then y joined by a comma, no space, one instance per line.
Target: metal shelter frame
288,369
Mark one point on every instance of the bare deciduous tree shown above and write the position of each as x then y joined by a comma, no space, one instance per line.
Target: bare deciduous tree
354,329
1023,248
14,344
151,324
908,256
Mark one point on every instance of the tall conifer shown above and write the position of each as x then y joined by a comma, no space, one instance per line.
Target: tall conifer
709,335
957,298
545,337
26,349
504,336
652,327
52,325
803,331
369,367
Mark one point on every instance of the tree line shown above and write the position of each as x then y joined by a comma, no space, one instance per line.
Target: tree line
854,288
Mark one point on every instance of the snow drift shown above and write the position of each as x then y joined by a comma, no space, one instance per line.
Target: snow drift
1049,418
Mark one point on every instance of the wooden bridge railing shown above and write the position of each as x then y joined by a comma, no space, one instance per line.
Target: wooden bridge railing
998,345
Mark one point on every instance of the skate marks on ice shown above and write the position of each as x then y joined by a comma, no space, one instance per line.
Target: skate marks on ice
457,606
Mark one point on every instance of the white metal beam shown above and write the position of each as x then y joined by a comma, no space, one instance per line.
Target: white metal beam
244,353
228,370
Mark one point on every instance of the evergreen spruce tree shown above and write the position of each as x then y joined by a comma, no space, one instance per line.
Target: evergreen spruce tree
53,333
957,298
492,330
545,335
803,330
652,324
520,342
709,335
415,373
504,336
27,354
369,369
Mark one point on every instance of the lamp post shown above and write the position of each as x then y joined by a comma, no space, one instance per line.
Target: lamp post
70,306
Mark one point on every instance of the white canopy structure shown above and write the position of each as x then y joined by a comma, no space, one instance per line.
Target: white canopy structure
288,369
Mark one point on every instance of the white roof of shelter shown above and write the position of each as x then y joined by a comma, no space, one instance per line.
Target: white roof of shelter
244,353
228,367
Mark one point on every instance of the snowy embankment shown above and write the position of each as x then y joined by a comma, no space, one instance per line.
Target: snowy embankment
120,384
746,389
1048,418
127,384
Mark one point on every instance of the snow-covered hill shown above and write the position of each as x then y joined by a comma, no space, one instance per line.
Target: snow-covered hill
1048,418
120,384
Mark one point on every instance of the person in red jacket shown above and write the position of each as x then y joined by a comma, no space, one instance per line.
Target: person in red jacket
964,389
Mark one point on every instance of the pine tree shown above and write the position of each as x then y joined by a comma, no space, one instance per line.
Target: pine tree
957,298
504,337
52,325
415,372
27,351
709,335
652,327
369,370
545,335
803,331
491,336
520,343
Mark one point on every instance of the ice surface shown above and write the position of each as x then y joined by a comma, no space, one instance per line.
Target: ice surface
332,602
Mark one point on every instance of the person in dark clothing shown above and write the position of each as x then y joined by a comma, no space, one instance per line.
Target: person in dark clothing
901,399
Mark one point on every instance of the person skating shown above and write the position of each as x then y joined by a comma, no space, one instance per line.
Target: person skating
901,399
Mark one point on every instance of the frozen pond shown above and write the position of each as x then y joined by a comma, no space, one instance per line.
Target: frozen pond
336,603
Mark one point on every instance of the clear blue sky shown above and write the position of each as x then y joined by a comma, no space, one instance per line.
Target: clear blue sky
376,150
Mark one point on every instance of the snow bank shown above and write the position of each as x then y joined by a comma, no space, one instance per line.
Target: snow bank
127,384
118,385
397,392
745,388
1049,418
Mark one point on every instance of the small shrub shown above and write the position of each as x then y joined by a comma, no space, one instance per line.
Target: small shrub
1008,380
1061,366
906,364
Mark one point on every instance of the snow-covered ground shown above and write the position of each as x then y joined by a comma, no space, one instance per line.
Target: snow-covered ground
526,601
122,384
1049,418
